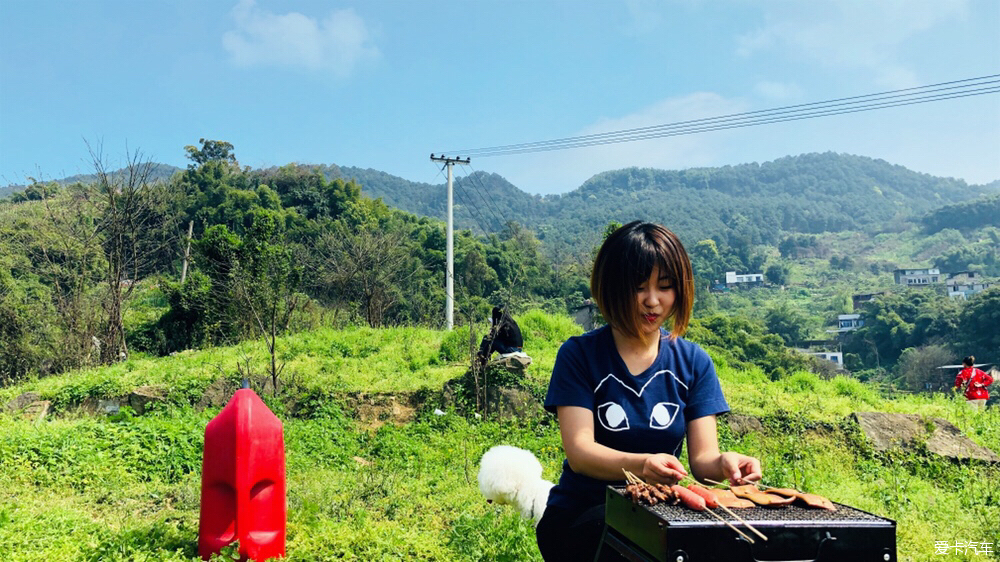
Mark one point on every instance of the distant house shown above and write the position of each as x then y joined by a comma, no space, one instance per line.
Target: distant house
835,357
862,299
743,279
718,287
965,283
919,277
847,323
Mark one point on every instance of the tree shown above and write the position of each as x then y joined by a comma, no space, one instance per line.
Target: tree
211,151
777,274
788,323
979,325
129,221
266,281
65,251
366,264
917,368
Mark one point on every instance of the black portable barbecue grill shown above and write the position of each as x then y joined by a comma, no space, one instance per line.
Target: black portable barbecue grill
674,533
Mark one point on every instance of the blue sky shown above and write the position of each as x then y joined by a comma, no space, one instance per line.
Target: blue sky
382,84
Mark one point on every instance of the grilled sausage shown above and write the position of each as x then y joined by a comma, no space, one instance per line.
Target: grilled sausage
710,499
688,498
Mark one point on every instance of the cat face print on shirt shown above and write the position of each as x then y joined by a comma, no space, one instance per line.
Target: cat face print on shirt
622,406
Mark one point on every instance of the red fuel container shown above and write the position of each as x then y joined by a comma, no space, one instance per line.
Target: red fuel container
243,481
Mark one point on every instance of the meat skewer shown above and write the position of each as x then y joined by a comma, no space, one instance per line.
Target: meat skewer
712,500
767,497
729,499
639,489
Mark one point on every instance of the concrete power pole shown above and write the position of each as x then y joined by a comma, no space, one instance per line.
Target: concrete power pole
449,307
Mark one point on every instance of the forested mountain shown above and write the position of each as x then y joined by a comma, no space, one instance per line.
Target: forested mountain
734,205
157,172
968,215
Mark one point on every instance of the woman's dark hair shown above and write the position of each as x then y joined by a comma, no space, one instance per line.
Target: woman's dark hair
626,260
969,361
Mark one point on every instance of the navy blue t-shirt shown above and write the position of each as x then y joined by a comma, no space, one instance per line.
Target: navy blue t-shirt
644,413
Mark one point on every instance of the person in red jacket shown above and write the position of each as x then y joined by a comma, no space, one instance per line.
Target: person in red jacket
974,381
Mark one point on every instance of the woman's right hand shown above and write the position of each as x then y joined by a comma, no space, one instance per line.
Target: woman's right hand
662,468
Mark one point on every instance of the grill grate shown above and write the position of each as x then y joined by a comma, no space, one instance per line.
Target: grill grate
680,514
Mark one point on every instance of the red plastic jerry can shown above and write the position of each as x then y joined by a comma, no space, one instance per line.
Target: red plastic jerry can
243,481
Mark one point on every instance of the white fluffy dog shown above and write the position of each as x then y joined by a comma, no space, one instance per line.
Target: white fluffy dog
512,476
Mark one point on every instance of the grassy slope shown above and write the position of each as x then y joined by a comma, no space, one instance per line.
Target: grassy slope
82,488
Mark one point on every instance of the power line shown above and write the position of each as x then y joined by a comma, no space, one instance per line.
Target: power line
869,102
491,206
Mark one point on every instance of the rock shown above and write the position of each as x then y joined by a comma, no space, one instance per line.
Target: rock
948,441
375,410
217,394
511,403
140,398
742,425
36,411
22,401
108,407
908,431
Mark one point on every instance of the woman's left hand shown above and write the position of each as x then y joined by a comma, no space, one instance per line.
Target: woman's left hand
739,469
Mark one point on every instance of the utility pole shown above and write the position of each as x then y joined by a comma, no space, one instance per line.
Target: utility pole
449,307
187,252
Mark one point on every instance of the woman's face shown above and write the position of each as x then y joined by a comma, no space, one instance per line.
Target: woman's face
655,298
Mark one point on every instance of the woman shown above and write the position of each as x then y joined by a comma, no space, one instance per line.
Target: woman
504,336
975,382
629,393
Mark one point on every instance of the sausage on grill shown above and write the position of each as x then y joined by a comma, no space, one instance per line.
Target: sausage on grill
688,498
711,500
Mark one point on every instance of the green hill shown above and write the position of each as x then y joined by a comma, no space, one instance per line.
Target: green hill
126,487
157,172
749,203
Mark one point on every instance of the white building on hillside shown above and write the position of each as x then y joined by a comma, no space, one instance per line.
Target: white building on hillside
847,323
732,278
963,284
911,277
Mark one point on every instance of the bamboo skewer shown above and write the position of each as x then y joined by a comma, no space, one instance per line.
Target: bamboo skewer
730,525
743,521
633,479
737,517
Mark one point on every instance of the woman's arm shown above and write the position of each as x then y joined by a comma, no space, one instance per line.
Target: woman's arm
708,463
587,456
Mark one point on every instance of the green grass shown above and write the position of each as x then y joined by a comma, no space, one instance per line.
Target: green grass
76,487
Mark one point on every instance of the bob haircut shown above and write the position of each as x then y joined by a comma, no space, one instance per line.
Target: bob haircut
626,260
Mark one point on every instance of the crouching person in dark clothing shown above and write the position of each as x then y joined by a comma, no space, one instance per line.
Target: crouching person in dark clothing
504,337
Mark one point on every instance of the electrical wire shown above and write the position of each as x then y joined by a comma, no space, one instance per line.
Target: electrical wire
869,102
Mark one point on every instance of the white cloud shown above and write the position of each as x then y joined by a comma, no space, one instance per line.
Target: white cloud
850,33
778,91
335,44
